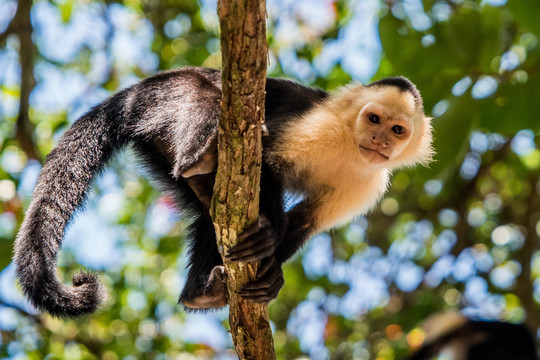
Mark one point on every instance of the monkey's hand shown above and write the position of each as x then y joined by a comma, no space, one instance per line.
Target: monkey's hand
258,243
255,244
269,282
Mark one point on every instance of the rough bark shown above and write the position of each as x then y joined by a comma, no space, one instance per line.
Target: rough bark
235,204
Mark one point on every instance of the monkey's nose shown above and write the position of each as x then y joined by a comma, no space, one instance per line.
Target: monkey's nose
377,141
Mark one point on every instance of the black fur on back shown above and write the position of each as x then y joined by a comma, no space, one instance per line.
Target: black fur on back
170,120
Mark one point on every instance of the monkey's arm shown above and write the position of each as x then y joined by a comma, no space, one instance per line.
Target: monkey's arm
299,227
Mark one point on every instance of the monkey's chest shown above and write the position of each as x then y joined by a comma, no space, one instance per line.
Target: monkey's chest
348,197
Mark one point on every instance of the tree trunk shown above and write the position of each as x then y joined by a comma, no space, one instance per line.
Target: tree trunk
235,204
21,25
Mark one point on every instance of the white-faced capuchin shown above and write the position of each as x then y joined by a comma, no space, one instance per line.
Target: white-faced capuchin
335,150
453,336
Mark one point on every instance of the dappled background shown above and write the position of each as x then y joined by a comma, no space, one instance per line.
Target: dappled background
462,234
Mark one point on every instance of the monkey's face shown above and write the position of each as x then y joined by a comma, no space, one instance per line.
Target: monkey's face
382,134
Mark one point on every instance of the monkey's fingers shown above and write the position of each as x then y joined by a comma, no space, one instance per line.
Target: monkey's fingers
254,248
262,291
262,223
248,242
267,286
267,265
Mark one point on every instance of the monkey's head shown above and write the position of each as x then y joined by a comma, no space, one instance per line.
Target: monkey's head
391,129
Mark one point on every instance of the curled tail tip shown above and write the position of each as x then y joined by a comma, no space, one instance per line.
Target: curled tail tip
92,289
83,298
87,294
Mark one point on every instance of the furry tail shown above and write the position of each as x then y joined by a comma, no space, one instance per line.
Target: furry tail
60,190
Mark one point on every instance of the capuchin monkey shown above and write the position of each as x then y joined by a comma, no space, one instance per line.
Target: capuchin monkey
456,337
335,151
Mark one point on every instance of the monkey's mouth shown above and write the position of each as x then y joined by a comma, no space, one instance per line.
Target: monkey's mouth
374,152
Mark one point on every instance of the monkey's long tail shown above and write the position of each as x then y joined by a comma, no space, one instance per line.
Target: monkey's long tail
61,189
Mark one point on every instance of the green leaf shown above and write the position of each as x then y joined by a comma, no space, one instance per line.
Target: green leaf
515,107
6,248
451,136
66,9
404,50
468,40
428,4
492,29
526,13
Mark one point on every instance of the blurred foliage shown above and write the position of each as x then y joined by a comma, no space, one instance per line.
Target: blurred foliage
461,234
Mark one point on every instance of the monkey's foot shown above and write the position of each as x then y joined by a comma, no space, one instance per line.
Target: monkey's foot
256,243
212,295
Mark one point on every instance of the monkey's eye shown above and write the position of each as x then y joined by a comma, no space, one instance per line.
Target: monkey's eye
398,130
374,119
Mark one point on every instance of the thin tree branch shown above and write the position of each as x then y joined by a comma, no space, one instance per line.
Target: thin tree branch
235,203
21,25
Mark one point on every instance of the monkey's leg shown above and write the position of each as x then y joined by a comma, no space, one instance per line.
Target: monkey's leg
205,284
205,287
205,165
206,281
